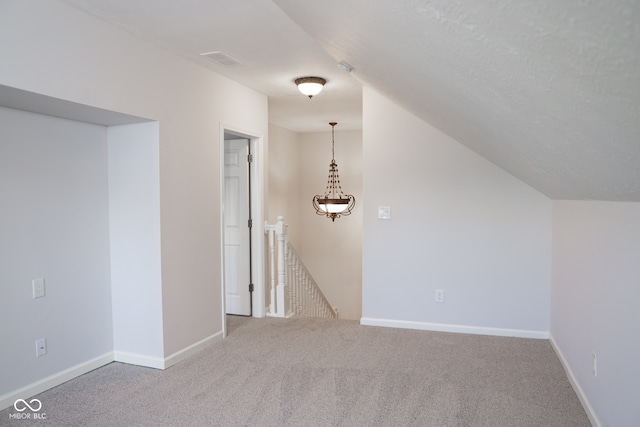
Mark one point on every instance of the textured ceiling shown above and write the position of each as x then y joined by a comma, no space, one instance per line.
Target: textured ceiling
548,90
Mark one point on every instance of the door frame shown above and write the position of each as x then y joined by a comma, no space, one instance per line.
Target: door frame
257,167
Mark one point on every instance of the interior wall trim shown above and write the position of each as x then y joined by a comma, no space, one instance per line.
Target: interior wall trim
54,380
139,360
192,349
462,329
595,422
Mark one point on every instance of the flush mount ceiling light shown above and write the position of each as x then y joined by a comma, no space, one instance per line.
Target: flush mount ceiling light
310,86
333,203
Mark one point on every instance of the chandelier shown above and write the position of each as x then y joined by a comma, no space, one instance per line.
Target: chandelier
333,203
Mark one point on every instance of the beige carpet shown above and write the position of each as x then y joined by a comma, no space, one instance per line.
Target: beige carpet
316,372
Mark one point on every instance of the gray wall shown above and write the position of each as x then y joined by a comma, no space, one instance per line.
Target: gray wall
56,56
54,224
458,223
594,303
332,251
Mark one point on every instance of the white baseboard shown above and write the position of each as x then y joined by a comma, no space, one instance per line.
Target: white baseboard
139,360
462,329
8,399
164,363
54,380
192,349
286,316
576,386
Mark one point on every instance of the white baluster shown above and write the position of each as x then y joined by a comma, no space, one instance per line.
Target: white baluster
299,286
294,284
316,303
305,304
294,292
288,278
280,231
272,272
307,300
314,298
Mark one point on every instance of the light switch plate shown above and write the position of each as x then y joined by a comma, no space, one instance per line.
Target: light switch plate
38,288
384,212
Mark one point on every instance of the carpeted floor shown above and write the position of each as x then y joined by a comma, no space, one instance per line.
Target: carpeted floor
317,372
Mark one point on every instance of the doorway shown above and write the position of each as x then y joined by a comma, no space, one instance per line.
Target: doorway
237,226
242,212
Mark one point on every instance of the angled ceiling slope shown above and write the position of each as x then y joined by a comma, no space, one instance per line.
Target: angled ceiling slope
547,90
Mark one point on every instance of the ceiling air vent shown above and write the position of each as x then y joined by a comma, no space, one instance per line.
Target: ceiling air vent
222,59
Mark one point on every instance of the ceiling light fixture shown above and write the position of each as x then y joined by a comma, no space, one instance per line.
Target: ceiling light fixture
333,203
310,86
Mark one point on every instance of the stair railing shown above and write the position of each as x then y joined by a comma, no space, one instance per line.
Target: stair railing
293,290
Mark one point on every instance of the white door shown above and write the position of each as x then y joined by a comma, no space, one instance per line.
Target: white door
236,227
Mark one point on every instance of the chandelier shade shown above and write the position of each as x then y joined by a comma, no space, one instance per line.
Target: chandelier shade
334,203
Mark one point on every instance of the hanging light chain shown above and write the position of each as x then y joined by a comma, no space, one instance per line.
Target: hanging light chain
333,203
333,142
333,183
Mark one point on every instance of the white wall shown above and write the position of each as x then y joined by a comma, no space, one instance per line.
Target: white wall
284,179
458,223
54,224
134,227
594,303
332,250
56,50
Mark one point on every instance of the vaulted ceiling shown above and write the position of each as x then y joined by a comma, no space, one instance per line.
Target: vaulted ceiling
548,90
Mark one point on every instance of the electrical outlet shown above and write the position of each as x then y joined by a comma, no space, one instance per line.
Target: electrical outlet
594,366
439,295
41,347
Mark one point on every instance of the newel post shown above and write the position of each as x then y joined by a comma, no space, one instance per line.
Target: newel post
280,233
270,231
